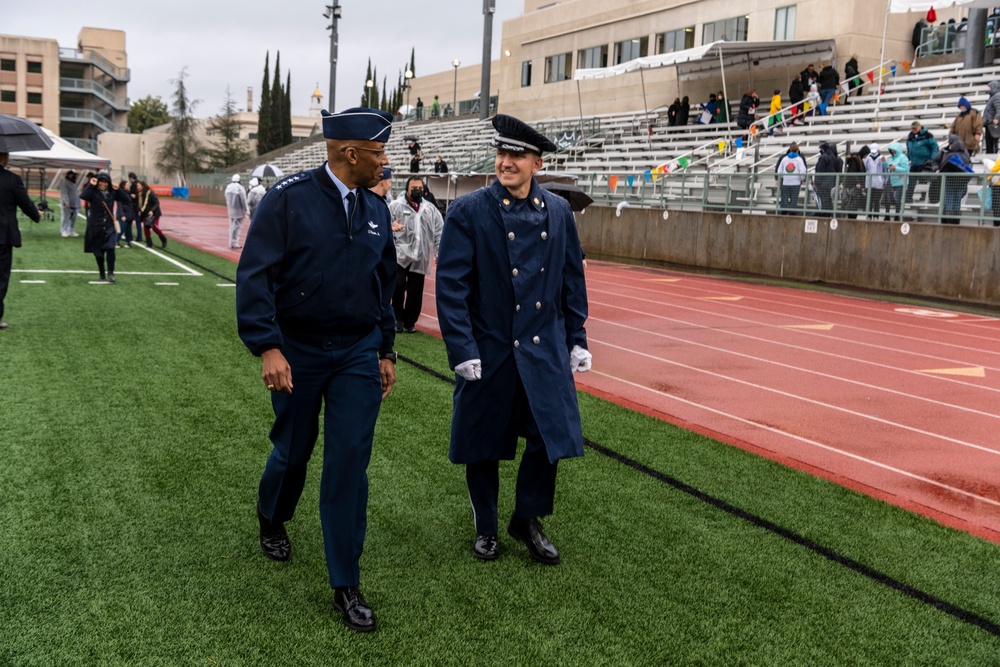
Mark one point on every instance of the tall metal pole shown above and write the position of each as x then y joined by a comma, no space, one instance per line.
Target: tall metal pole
489,8
334,15
454,92
881,59
975,39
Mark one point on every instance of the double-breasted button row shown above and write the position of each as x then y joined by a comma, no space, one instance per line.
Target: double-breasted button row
511,236
514,273
536,340
517,343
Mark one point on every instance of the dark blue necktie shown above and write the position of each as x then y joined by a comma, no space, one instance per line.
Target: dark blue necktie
352,199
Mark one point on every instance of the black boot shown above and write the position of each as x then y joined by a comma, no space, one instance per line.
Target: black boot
149,242
163,241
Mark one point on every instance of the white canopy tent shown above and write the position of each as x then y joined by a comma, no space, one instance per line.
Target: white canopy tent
709,59
62,155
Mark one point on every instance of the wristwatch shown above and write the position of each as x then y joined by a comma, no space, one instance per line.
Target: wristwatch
391,356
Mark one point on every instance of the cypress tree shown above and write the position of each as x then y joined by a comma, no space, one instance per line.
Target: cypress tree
413,60
287,126
264,112
277,105
364,86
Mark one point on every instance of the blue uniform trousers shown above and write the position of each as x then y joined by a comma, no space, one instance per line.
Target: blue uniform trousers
347,380
536,476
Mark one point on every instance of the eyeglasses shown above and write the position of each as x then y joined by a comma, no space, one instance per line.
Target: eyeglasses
379,153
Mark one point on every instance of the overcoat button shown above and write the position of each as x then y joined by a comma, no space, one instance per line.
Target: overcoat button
517,343
514,273
517,308
538,305
545,235
543,270
511,236
536,340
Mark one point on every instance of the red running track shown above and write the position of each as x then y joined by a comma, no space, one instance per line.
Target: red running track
897,402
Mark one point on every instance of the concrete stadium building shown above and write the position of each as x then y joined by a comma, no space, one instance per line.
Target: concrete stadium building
541,51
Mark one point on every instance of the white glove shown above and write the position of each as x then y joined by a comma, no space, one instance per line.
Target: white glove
471,370
579,359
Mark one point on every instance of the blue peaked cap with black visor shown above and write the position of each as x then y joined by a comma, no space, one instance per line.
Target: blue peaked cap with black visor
357,124
516,136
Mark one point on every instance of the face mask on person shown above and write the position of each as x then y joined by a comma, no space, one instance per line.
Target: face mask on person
416,195
792,154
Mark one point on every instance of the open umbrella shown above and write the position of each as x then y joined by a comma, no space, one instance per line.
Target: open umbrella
267,170
577,198
20,134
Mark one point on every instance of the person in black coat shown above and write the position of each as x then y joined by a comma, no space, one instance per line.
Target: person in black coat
684,112
124,213
796,93
748,109
672,112
148,210
827,168
808,76
102,237
851,73
13,196
828,82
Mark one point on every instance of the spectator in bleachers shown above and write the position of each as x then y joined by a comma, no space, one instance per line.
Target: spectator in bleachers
814,101
415,162
721,108
854,182
918,36
791,170
955,164
968,126
774,114
991,117
440,166
851,73
808,77
995,193
796,94
921,148
827,168
707,111
898,166
748,109
420,109
672,112
949,36
875,168
828,82
684,113
435,108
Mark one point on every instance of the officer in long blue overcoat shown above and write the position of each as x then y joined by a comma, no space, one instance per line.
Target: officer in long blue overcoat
512,301
313,292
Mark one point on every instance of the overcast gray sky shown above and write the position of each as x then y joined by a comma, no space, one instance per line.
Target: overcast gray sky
223,43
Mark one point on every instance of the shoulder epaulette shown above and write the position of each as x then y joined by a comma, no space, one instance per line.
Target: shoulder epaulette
294,179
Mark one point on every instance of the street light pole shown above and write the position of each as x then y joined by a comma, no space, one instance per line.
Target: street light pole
333,13
456,63
408,75
489,7
368,84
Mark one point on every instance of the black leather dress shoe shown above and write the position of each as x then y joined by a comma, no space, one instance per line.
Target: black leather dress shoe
486,547
530,532
351,605
274,540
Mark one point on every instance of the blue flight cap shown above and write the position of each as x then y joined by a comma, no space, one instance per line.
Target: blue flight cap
386,173
517,136
359,123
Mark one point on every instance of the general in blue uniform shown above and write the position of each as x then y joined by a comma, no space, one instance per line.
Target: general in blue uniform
313,293
512,301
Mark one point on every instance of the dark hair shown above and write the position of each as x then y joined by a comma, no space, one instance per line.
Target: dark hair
132,175
411,179
777,92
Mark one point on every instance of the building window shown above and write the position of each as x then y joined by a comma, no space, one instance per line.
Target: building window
34,67
34,98
8,96
8,65
675,40
784,23
593,58
631,49
729,30
525,73
557,68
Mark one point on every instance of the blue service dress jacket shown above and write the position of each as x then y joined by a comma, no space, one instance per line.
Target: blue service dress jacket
511,291
309,274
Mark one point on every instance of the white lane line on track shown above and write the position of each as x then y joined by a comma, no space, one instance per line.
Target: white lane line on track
769,297
808,441
800,369
813,333
785,394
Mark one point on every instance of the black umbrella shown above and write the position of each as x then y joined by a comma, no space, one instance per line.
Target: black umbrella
577,198
20,134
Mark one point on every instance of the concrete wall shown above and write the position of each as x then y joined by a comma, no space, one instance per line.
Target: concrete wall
940,261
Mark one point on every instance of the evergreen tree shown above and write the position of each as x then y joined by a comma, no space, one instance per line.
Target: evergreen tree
287,126
277,106
229,149
264,112
413,60
364,89
384,104
181,153
146,113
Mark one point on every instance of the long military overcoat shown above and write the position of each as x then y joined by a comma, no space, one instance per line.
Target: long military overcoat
510,291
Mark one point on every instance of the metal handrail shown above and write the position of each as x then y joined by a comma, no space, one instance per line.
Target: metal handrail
120,102
120,73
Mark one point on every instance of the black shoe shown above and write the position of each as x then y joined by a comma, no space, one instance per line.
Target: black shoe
399,327
486,547
530,532
149,243
274,540
351,605
111,278
163,242
103,278
409,329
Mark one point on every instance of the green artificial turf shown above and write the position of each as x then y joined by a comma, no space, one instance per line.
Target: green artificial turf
134,430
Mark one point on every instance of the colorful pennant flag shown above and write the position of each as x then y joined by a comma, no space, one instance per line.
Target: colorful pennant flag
871,77
739,142
648,175
613,183
722,147
906,66
630,179
892,69
684,162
